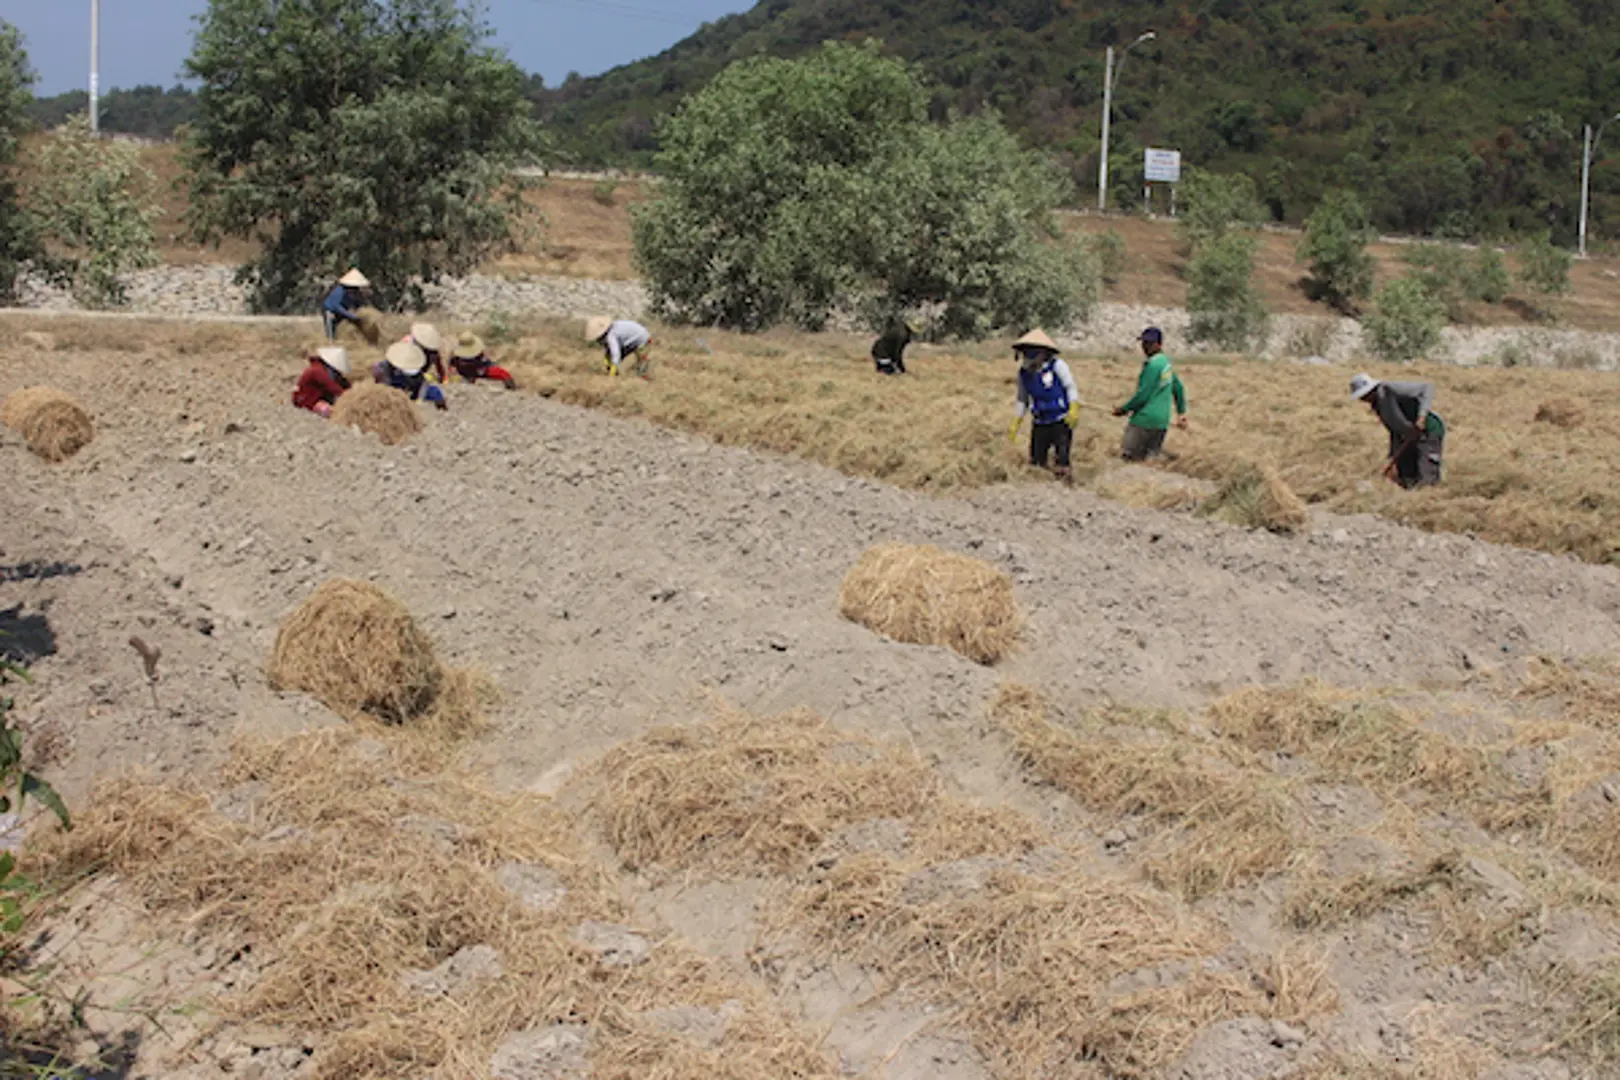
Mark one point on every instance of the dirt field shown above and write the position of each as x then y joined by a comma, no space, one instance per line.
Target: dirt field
1144,868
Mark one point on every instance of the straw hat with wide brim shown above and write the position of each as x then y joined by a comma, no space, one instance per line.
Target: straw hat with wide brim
596,326
427,336
1036,339
406,358
469,347
354,279
335,357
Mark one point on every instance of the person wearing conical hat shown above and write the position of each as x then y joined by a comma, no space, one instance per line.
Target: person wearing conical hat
323,380
1048,395
426,336
471,361
404,367
345,298
889,350
1149,408
620,338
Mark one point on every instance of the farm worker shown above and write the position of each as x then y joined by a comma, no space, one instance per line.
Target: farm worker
1149,409
343,301
402,367
889,350
620,338
1047,392
1417,435
471,361
425,336
323,381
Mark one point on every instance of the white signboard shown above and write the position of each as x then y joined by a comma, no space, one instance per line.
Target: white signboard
1163,166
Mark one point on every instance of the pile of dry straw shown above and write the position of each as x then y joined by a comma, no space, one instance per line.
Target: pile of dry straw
922,595
54,425
378,410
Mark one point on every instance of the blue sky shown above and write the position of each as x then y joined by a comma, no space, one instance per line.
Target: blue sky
145,41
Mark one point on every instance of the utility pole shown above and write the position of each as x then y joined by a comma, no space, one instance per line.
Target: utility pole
1111,76
95,66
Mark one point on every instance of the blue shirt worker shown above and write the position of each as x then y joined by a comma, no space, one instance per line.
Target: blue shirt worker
621,338
404,367
343,301
1047,394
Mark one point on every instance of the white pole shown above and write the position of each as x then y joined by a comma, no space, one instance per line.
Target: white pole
1108,107
1586,183
95,66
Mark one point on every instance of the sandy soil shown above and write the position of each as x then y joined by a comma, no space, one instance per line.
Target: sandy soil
605,573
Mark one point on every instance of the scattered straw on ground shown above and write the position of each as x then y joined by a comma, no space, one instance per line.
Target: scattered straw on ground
53,424
923,595
378,410
359,650
1257,497
1561,412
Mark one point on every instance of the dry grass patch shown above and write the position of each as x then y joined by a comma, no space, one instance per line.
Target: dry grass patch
343,895
1561,412
1317,899
378,410
1257,497
923,595
358,649
1592,1028
53,424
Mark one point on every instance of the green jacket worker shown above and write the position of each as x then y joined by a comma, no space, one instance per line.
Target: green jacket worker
1149,409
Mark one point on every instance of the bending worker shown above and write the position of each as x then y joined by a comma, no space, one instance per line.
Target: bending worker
1047,392
323,381
620,338
403,367
343,301
1417,435
1149,409
889,350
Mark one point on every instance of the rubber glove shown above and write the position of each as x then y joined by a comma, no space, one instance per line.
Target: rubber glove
1012,432
1074,415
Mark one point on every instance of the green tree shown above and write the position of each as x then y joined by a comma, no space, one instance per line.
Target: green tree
1224,308
1445,273
791,186
1544,270
95,204
1216,204
1407,323
377,133
1334,249
18,241
1488,277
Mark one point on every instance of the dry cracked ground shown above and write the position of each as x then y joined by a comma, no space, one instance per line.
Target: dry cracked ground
1108,856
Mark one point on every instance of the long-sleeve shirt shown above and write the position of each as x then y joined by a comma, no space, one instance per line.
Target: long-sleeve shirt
1065,378
890,349
624,337
1156,387
1400,404
341,302
316,384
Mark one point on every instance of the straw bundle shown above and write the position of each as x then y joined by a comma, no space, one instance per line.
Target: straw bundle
370,325
52,423
1561,412
378,410
922,595
1256,496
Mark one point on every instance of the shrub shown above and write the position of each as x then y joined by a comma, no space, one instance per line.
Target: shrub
1446,275
1216,203
605,192
1109,249
1334,249
1488,279
1407,323
1224,307
791,186
1544,271
95,204
19,243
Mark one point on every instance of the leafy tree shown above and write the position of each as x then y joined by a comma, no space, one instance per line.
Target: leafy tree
1224,306
792,186
1544,270
1444,271
1334,248
378,133
1407,323
18,242
148,111
1216,204
95,204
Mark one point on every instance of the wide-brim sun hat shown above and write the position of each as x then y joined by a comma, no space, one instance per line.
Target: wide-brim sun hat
406,357
1036,339
335,357
427,336
469,347
1361,385
354,279
596,326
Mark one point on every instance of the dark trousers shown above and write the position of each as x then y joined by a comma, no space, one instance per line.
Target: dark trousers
1055,440
1419,466
1141,443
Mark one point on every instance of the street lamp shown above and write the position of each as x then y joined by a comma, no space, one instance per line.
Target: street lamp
1110,77
1589,151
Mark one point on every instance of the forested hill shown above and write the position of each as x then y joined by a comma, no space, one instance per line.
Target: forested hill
1458,117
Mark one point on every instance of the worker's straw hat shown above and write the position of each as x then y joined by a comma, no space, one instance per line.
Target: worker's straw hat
406,358
469,347
1362,385
1036,339
427,336
335,357
596,326
354,279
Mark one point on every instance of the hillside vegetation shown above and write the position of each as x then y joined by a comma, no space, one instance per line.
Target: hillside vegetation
1458,117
